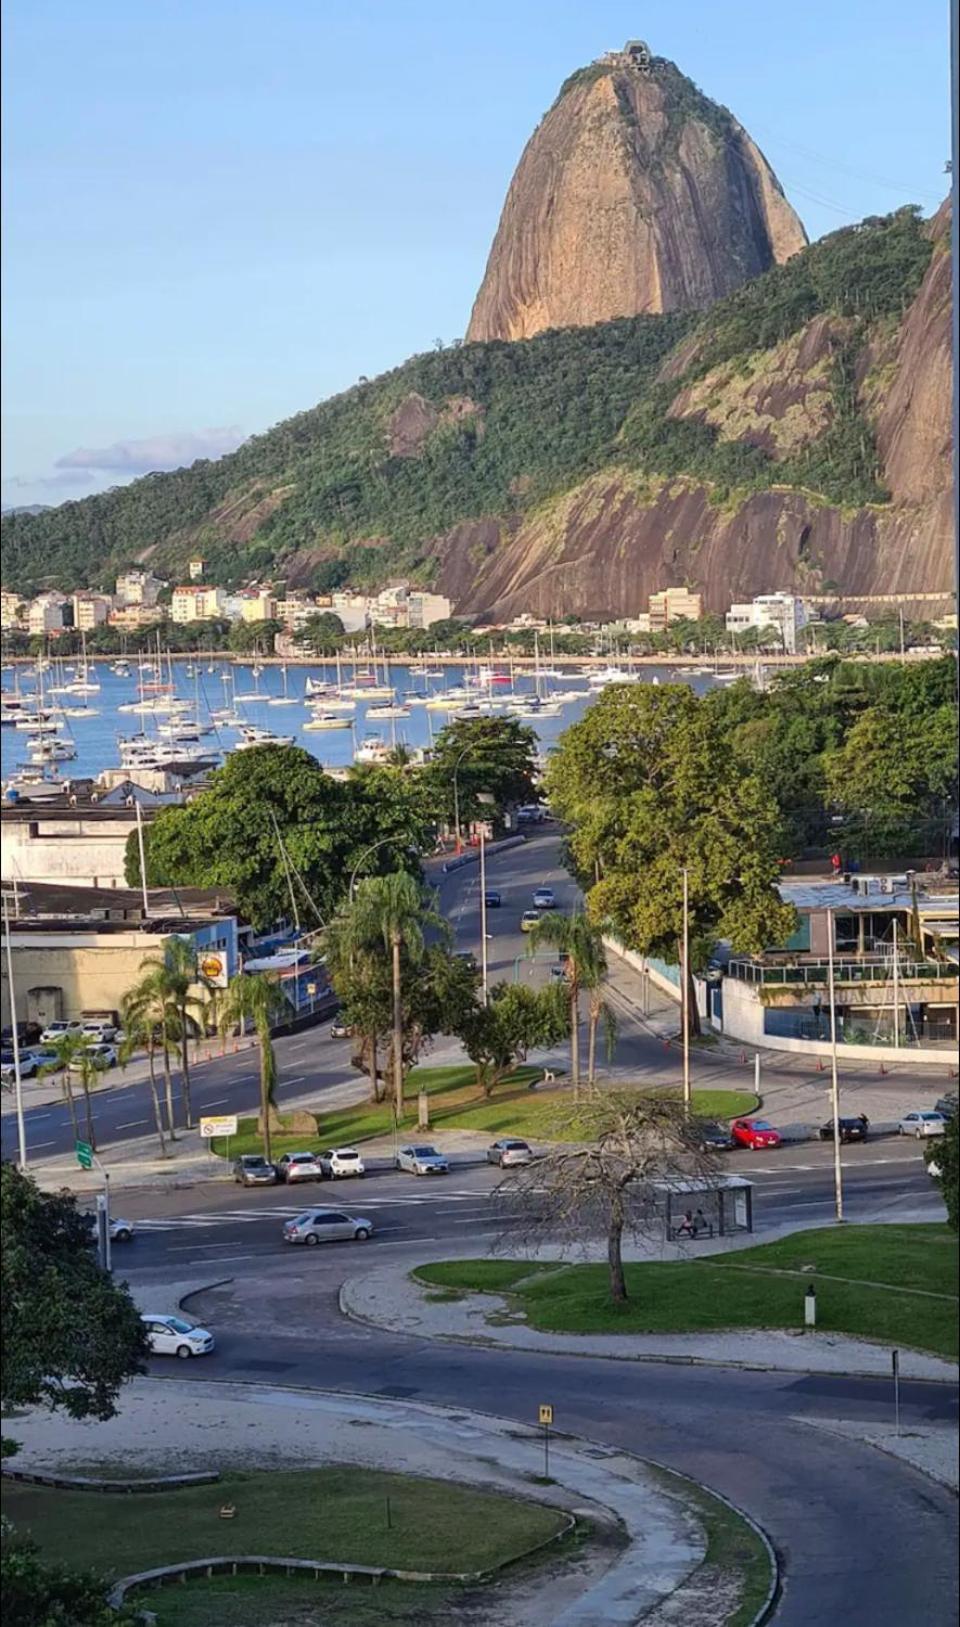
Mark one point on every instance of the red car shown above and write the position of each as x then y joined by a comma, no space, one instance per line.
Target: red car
754,1133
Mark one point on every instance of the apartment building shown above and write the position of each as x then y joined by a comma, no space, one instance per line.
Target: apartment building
194,603
48,613
90,610
137,587
782,612
673,604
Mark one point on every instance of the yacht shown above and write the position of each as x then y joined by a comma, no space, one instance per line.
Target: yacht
329,720
372,750
388,709
612,675
252,736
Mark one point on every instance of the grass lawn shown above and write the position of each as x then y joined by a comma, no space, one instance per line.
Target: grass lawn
254,1601
713,1293
329,1513
734,1549
456,1103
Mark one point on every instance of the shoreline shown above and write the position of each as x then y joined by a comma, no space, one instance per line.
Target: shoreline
711,664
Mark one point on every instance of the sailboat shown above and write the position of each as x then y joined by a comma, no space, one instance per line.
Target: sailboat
284,698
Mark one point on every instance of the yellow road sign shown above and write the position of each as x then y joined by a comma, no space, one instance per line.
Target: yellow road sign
546,1415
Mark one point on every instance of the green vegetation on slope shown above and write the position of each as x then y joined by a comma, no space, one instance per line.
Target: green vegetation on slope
761,1287
507,425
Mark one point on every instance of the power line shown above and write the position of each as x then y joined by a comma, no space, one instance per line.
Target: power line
848,169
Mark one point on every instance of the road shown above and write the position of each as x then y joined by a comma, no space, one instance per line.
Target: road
312,1062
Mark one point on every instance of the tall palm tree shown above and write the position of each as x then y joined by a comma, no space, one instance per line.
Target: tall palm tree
66,1048
139,1033
353,969
390,910
584,964
178,973
255,998
150,1006
599,1011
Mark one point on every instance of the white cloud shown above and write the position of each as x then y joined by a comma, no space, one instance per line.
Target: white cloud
156,452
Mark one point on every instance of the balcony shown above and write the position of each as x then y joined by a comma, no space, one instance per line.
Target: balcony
816,973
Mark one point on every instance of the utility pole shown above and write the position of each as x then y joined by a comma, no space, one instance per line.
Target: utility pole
685,992
143,861
834,1078
483,913
896,988
17,1076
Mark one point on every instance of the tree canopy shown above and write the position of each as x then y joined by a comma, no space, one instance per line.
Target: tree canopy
486,756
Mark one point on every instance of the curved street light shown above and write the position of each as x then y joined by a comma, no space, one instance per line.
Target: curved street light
385,841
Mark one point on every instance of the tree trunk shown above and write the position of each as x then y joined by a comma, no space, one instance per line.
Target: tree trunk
397,1030
168,1093
88,1111
185,1070
575,1041
593,1021
693,1010
71,1104
266,1106
375,1082
155,1097
618,1283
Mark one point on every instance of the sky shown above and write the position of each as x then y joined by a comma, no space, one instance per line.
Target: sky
217,212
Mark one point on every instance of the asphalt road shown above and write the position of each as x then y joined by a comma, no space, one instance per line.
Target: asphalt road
312,1061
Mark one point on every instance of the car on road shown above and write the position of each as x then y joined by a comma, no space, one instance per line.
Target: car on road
921,1124
422,1160
715,1137
754,1134
509,1153
252,1169
121,1231
339,1162
947,1105
856,1129
327,1226
299,1166
544,899
172,1336
102,1056
492,899
530,919
59,1030
340,1030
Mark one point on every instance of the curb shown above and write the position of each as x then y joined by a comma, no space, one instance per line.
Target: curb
67,1482
776,1577
878,1446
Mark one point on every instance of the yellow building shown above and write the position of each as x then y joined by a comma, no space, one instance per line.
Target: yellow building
674,604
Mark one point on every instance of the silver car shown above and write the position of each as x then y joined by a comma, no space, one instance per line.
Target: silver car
922,1124
326,1226
422,1160
509,1153
299,1166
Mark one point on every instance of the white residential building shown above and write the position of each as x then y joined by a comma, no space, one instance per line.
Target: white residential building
295,610
45,614
12,610
353,610
194,603
138,587
783,612
423,609
90,610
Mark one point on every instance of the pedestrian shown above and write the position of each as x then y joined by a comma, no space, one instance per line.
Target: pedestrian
699,1223
685,1228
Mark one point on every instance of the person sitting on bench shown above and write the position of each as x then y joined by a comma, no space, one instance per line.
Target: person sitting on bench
700,1223
686,1226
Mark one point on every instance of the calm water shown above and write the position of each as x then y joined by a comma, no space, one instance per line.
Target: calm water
211,687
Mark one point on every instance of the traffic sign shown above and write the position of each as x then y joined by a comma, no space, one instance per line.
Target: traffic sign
84,1153
224,1124
546,1415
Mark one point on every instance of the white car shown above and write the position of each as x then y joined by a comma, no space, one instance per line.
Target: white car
172,1336
922,1124
55,1031
544,899
121,1231
100,1032
338,1162
422,1160
102,1056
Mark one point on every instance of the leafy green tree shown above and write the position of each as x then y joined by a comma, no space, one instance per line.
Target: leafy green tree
516,1019
580,946
255,998
71,1333
247,637
495,757
150,1008
37,1595
322,633
944,1157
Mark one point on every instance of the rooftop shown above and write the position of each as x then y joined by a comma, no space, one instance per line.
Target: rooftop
872,893
53,906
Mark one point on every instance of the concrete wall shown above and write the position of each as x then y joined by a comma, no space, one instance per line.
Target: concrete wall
87,856
86,974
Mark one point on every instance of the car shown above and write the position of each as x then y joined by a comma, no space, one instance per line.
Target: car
492,899
530,919
326,1226
422,1160
338,1162
855,1129
465,954
754,1134
28,1033
29,1066
544,899
121,1231
922,1124
947,1105
99,1029
558,972
252,1169
530,814
102,1056
715,1137
58,1030
299,1166
172,1336
340,1030
508,1153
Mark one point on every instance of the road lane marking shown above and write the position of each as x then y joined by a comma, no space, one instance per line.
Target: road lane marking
131,1124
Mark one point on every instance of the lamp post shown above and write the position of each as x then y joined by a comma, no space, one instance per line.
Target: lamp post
384,841
685,992
834,1076
456,797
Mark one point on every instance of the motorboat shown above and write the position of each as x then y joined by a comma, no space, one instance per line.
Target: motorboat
611,675
388,709
329,720
372,750
252,736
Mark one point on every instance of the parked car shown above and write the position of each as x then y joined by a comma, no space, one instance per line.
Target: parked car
492,898
172,1336
102,1056
252,1169
558,972
544,899
340,1030
29,1066
508,1153
715,1137
28,1033
947,1105
58,1030
529,919
851,1129
299,1166
422,1160
99,1029
338,1162
754,1134
326,1226
922,1124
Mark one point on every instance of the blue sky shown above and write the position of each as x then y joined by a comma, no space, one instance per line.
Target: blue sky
219,211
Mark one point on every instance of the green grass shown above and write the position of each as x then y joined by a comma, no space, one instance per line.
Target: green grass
714,1293
733,1546
456,1103
254,1601
328,1513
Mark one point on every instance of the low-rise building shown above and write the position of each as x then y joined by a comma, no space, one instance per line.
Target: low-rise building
48,613
423,609
258,605
674,604
90,610
129,617
295,610
13,611
138,588
196,603
780,613
79,838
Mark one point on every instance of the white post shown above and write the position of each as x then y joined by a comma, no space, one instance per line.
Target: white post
685,993
17,1076
143,861
756,1074
483,914
834,1078
896,988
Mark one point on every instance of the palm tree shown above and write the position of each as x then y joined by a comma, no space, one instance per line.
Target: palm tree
353,969
139,1033
66,1048
150,1007
178,973
75,1055
390,910
599,1011
255,998
584,966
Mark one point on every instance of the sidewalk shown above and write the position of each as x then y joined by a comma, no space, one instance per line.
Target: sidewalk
388,1297
177,1425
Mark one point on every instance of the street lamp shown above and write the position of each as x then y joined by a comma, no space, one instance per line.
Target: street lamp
456,796
384,841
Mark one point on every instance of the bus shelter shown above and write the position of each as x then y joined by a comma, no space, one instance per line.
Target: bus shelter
716,1208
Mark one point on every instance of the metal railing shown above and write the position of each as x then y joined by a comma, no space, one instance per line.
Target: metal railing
844,971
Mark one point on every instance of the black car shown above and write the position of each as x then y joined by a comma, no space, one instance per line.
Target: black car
947,1105
850,1129
27,1034
491,899
715,1137
252,1169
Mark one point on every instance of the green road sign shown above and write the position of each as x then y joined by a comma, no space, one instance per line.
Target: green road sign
84,1153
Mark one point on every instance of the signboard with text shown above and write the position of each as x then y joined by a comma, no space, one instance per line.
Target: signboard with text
223,1124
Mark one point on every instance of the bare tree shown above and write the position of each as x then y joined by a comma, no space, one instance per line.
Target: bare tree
634,1148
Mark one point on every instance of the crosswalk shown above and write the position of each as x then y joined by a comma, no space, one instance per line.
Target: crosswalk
359,1205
